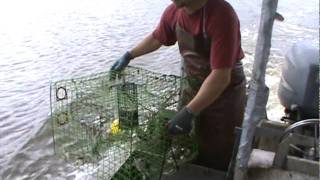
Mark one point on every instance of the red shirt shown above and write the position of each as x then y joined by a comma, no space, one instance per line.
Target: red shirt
222,26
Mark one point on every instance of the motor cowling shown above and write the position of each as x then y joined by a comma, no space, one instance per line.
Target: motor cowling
299,84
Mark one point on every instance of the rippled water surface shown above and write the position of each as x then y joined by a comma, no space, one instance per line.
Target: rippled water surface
44,40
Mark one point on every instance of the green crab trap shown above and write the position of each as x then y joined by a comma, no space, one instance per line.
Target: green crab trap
114,128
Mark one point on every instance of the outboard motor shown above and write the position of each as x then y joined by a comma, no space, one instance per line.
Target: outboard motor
299,86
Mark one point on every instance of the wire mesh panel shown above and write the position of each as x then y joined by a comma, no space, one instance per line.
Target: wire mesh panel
115,128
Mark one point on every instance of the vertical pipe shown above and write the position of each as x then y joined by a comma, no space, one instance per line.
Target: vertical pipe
258,91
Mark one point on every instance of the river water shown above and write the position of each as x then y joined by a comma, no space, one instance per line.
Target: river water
42,41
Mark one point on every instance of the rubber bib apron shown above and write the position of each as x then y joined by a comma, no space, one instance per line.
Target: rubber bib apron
214,127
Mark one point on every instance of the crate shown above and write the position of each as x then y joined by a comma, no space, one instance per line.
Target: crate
113,127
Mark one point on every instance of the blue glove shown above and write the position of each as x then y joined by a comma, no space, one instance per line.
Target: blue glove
181,123
122,62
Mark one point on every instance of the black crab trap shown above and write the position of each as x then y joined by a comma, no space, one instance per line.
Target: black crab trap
114,128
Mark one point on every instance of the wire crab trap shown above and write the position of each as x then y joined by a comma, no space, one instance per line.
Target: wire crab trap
114,128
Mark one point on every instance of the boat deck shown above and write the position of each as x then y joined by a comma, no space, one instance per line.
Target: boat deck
195,172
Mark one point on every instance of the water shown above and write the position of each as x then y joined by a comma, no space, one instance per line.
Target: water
44,40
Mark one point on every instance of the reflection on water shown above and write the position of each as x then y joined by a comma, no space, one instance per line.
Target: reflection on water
44,41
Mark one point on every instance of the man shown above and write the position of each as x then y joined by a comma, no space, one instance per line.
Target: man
208,35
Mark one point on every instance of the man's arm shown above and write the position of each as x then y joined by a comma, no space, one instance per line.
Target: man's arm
147,45
211,89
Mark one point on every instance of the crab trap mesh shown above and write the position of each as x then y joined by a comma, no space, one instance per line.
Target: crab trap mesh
114,128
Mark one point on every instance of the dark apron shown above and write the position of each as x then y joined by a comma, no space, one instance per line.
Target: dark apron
214,127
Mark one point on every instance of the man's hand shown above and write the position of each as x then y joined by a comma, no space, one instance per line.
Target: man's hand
122,62
149,44
181,123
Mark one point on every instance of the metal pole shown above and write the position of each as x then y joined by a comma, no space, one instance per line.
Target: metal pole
258,91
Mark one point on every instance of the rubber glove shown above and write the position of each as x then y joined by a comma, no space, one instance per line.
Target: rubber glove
122,62
181,123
